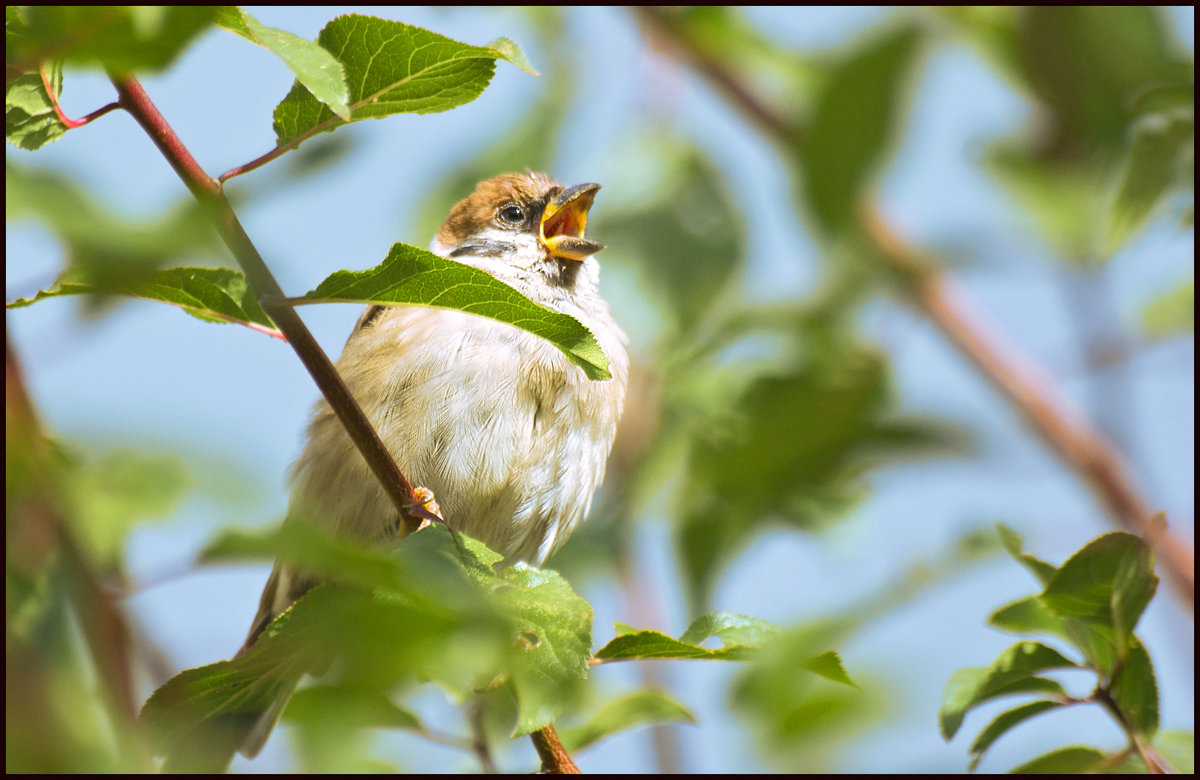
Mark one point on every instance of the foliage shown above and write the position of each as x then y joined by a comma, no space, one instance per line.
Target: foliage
1093,602
748,421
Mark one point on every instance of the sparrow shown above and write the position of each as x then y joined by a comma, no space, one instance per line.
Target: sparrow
509,435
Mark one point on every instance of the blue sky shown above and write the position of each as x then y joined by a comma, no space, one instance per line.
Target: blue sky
235,403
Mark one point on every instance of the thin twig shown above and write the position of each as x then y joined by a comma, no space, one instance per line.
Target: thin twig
66,120
209,192
1092,457
555,758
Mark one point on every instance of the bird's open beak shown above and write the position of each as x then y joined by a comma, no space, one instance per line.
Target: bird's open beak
564,220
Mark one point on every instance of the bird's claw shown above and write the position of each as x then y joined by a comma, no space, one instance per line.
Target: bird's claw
424,508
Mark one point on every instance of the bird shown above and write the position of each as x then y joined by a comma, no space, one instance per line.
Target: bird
507,435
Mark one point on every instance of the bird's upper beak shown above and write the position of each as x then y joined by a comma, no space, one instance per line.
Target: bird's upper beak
564,220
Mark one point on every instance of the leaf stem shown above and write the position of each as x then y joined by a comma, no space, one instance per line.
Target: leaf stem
932,292
209,192
66,120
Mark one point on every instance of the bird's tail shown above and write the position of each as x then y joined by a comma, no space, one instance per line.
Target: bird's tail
283,588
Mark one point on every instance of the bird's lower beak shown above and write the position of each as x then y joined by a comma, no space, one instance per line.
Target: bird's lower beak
564,220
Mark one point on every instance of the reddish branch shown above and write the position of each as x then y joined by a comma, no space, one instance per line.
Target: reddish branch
1077,443
208,191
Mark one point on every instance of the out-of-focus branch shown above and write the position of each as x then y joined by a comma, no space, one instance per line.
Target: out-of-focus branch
1074,439
409,505
38,532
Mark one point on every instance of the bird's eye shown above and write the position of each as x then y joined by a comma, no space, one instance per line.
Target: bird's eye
512,214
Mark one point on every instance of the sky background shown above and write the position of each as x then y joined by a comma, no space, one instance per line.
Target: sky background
234,403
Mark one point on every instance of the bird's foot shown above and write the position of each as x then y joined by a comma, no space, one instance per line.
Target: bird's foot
424,508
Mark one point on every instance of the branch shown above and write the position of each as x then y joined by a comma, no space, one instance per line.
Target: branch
208,191
1073,439
555,758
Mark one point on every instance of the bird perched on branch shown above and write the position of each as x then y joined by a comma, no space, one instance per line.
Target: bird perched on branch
507,433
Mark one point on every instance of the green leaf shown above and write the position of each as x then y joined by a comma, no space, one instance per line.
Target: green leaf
855,120
117,38
315,68
969,687
30,121
1064,761
1002,723
1163,145
209,294
391,68
416,277
1171,313
638,709
740,636
1135,690
1108,583
1029,616
552,630
1015,545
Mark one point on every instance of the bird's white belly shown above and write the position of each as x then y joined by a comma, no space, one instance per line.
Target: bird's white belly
509,435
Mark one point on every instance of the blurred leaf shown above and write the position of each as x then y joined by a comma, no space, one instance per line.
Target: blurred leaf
638,709
1015,545
685,244
209,294
322,704
740,636
1066,201
117,38
1109,582
1172,312
414,276
1087,64
109,250
392,68
969,687
315,68
1135,690
829,665
855,121
1002,723
797,714
1178,748
796,453
1064,761
30,121
1163,144
114,493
